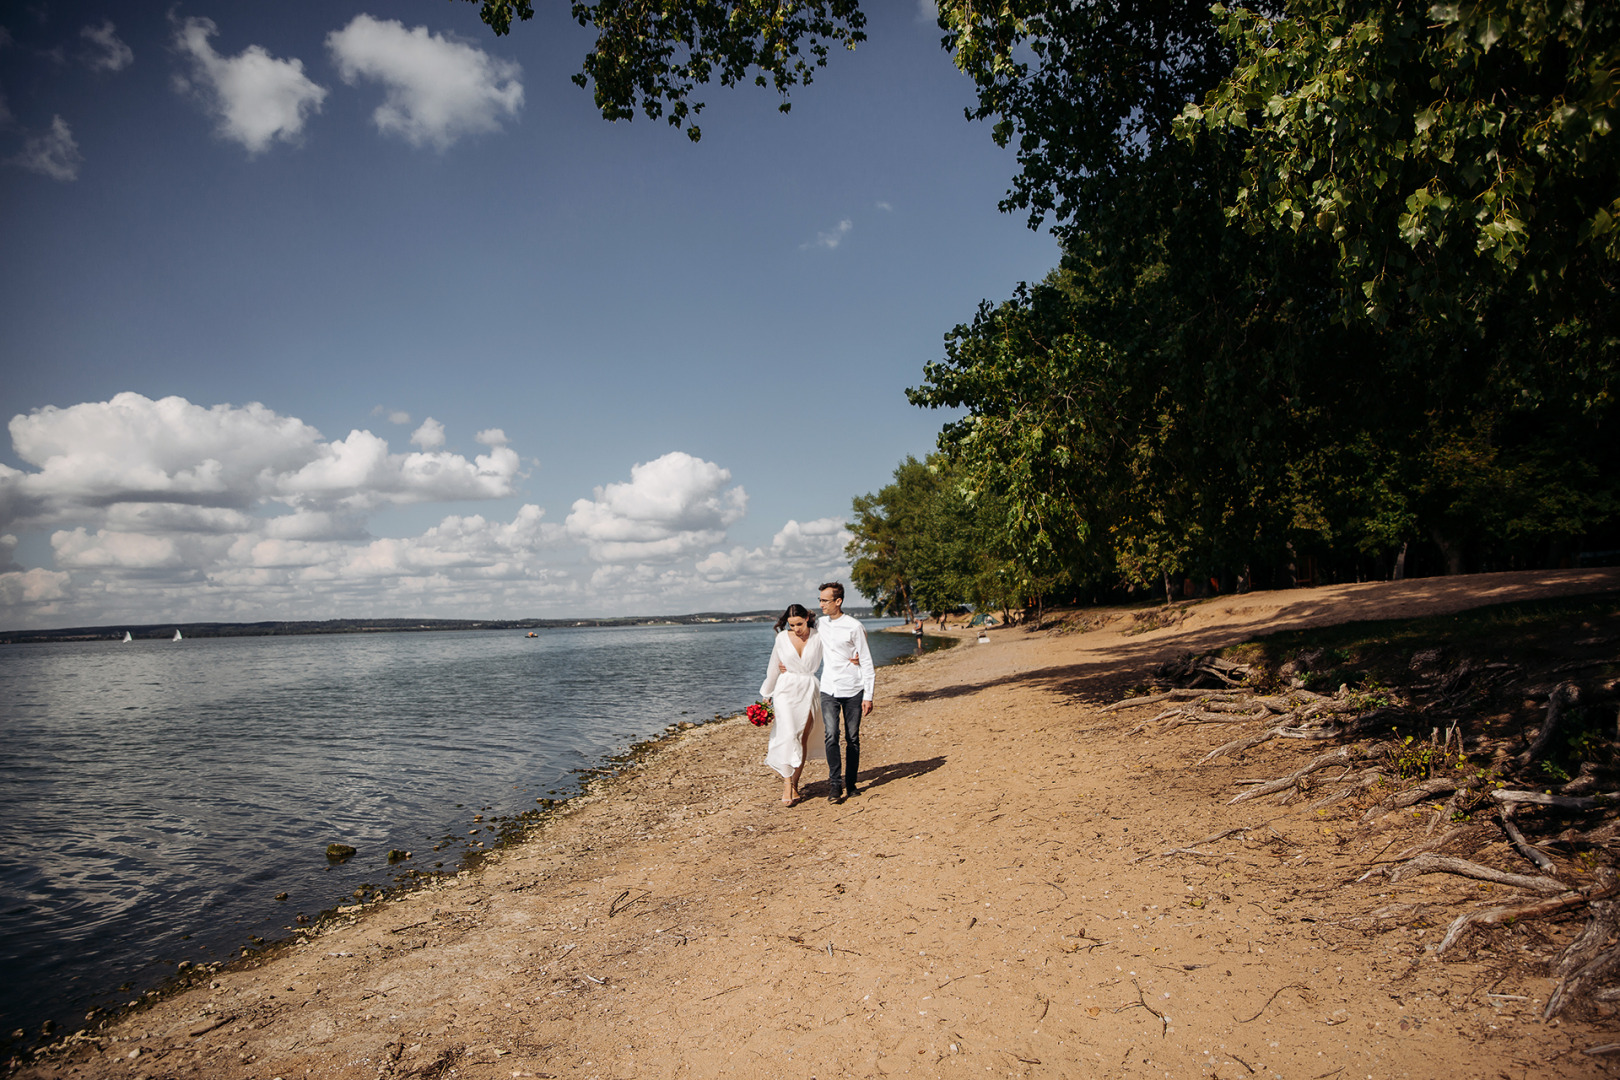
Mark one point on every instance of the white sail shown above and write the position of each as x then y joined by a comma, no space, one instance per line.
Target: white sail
127,637
177,635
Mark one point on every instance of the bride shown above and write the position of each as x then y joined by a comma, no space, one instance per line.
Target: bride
791,686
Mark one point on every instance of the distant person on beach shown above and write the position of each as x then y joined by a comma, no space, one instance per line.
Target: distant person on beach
791,686
917,631
847,680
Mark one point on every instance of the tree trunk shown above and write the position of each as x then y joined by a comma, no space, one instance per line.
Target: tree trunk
1400,563
1452,552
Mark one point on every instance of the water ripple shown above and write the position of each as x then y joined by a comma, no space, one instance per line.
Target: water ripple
156,796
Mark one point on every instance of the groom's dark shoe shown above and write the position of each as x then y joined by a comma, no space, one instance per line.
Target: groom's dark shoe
835,797
851,791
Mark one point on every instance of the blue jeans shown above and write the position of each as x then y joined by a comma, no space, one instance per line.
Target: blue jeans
849,709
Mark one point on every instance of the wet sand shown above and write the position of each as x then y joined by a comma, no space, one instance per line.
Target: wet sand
991,905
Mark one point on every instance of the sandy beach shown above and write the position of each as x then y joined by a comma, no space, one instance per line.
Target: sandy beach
995,903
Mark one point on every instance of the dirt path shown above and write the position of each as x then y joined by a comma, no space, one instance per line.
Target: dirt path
984,909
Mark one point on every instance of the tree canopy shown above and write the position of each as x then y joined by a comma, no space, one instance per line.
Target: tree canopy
1339,284
650,56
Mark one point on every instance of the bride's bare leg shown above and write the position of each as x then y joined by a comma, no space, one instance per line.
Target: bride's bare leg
790,789
804,752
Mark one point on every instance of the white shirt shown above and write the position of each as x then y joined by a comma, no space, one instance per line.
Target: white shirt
842,639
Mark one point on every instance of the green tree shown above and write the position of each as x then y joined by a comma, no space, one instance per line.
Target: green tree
885,527
650,55
1450,151
924,543
1413,334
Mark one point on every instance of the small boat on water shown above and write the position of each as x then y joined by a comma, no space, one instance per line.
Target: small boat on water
127,636
177,635
531,633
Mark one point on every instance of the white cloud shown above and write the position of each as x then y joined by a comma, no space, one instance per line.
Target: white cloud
436,89
256,98
430,436
108,52
360,473
671,507
80,549
399,417
884,206
833,237
35,591
804,552
53,153
166,510
158,507
177,465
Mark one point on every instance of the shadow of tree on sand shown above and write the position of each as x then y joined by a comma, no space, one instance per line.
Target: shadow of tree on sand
1106,670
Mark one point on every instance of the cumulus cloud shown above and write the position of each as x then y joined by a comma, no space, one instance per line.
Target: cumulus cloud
671,507
256,98
436,89
832,237
802,553
165,509
52,153
106,52
37,591
430,436
180,465
151,505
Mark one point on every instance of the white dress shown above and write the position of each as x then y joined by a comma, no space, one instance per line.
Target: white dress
796,693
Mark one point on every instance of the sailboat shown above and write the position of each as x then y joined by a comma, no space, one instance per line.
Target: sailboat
127,636
177,635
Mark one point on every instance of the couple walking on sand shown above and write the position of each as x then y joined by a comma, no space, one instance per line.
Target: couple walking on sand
809,713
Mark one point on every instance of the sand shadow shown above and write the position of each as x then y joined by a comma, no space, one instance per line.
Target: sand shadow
882,774
1111,662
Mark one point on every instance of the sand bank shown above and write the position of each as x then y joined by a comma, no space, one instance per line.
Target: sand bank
984,909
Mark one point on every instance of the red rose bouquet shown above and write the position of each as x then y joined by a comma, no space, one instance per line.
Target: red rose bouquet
761,713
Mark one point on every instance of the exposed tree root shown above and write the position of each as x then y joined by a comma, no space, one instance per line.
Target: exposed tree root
1519,842
1533,909
1414,794
1441,864
1333,757
1215,690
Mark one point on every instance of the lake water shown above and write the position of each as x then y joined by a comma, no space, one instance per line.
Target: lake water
156,796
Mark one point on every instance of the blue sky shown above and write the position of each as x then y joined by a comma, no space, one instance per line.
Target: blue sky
345,309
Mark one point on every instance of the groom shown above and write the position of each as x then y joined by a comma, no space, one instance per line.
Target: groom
846,687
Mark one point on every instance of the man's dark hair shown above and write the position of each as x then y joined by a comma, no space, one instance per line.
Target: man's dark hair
836,586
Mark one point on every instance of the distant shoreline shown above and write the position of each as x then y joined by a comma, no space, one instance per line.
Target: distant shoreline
269,628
